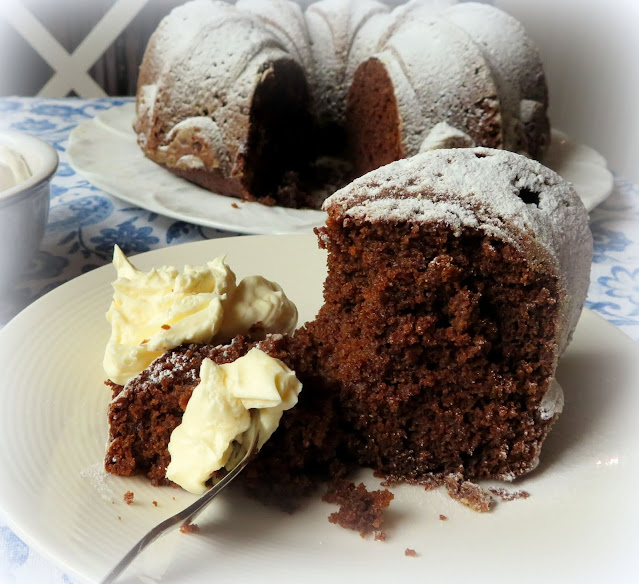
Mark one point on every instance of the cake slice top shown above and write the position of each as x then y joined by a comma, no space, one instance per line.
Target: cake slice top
501,194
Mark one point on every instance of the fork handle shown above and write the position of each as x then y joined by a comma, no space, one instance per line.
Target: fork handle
186,515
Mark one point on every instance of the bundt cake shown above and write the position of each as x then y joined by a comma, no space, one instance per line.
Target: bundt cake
262,101
455,281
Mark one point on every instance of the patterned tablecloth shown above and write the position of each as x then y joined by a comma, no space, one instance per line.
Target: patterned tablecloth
85,223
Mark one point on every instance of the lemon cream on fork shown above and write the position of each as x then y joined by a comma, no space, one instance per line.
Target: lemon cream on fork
217,414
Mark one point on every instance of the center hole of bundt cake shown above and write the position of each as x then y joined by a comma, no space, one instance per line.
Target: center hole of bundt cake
278,141
529,196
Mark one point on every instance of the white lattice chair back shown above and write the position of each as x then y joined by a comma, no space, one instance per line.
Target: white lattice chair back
70,70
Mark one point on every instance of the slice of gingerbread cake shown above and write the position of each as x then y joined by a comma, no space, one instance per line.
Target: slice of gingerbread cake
144,413
455,281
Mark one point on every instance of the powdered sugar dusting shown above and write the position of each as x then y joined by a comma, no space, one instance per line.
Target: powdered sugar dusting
449,76
552,403
443,135
206,131
514,62
286,20
161,371
334,27
484,189
96,476
464,65
214,81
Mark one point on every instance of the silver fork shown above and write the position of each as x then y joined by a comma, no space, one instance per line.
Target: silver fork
186,516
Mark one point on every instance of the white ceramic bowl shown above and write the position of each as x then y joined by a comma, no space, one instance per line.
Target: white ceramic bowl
24,208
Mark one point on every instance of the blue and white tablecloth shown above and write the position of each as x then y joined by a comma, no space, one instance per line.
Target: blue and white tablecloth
85,222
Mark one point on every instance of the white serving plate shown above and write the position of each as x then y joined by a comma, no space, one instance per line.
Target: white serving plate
580,524
105,151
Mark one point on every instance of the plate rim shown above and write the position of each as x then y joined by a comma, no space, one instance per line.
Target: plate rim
102,274
254,229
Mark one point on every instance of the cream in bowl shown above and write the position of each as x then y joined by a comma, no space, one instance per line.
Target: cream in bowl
13,168
27,165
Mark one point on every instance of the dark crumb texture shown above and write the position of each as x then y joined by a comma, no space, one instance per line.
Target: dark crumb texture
411,553
308,446
469,494
442,345
372,97
360,509
443,518
128,497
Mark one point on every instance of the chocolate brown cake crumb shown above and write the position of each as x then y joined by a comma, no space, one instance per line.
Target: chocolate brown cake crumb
432,482
360,509
443,518
188,527
506,496
411,553
128,497
155,503
468,493
235,205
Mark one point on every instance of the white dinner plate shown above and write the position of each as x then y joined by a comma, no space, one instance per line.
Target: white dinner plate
579,525
105,151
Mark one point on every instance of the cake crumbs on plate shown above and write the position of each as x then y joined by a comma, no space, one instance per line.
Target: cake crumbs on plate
128,497
468,493
359,509
459,489
443,517
155,503
507,496
380,535
188,527
411,553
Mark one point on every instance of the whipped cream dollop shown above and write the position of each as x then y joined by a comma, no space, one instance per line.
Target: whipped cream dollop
217,414
257,299
13,168
155,311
